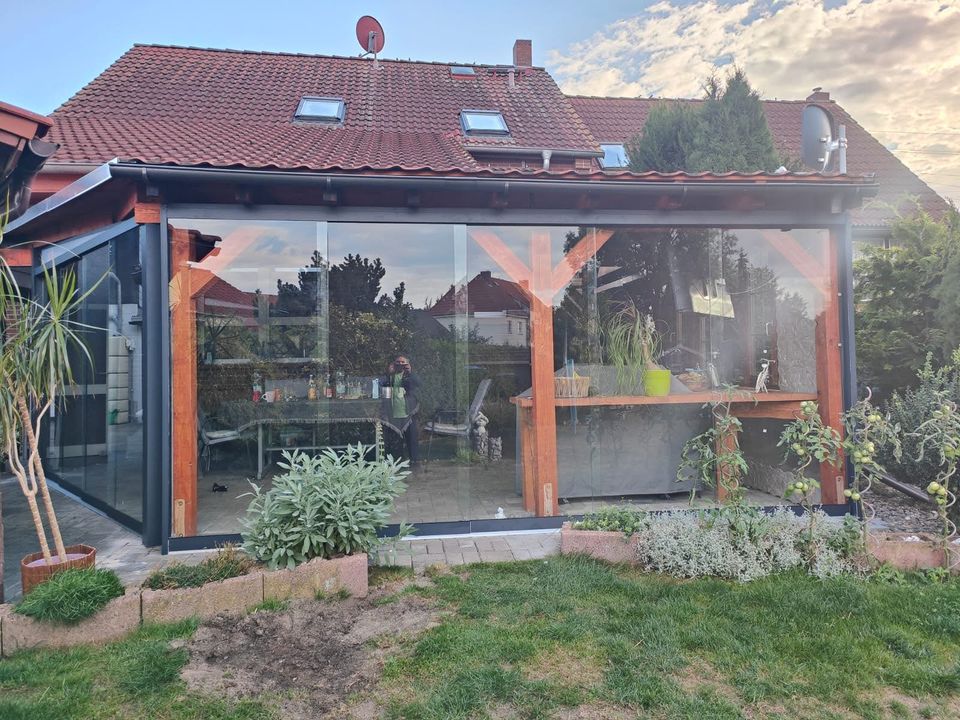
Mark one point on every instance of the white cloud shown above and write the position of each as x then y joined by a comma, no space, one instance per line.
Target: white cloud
893,64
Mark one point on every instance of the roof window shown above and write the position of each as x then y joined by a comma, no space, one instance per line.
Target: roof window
462,70
483,122
614,155
320,109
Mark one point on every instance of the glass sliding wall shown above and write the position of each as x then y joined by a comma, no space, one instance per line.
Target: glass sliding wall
94,442
509,389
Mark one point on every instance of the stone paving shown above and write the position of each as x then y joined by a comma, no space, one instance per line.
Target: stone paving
420,553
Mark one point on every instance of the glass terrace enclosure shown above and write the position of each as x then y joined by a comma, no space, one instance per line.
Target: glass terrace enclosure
468,325
283,333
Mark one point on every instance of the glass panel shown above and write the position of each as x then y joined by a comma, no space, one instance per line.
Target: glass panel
396,319
484,122
95,442
614,156
321,109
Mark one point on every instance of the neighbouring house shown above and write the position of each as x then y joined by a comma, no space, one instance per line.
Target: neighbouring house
494,309
276,228
614,121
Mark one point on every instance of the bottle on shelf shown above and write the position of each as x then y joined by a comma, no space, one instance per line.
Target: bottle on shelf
257,391
311,389
375,389
328,387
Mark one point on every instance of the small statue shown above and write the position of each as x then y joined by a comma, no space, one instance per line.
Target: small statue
480,436
761,386
496,449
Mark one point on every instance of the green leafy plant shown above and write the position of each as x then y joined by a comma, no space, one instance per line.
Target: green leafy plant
39,340
633,345
940,437
714,458
71,595
614,519
807,439
322,506
229,562
867,434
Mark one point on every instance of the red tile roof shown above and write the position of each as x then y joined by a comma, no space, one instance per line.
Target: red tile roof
617,120
485,293
191,106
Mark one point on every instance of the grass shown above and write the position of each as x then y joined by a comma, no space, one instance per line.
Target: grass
573,638
271,605
539,637
71,595
135,678
227,563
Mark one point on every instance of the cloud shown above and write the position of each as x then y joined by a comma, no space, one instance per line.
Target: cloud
893,64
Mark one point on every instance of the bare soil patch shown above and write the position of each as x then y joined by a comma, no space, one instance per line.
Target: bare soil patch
567,666
315,657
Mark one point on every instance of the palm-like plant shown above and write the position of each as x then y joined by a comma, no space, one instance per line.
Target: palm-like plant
35,371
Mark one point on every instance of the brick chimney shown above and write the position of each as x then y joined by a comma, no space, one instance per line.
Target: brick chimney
818,95
523,54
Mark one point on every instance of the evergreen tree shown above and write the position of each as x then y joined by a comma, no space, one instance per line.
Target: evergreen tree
726,132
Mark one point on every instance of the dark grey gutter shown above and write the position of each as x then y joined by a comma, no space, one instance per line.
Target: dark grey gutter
514,150
64,195
161,173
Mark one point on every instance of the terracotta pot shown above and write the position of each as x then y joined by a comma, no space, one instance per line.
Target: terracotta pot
32,575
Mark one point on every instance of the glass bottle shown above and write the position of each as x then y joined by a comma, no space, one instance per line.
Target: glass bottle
311,389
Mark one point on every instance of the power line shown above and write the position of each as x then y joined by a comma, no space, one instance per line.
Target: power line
918,132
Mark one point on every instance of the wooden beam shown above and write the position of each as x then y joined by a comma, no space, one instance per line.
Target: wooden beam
830,370
503,256
183,385
798,256
586,248
146,213
541,370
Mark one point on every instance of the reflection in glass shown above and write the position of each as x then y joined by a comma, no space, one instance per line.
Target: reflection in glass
94,441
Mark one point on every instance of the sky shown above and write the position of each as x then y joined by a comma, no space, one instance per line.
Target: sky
893,64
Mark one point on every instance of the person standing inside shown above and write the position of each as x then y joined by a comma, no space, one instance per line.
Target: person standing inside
404,404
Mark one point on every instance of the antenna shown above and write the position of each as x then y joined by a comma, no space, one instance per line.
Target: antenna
370,36
818,143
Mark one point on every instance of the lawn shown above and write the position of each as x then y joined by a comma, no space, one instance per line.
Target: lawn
572,638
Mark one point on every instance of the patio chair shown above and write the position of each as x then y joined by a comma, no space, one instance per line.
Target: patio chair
211,438
455,423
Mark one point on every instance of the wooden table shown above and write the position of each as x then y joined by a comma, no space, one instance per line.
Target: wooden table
744,403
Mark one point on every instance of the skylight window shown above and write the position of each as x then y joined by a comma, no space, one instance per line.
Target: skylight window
320,109
483,122
614,155
462,70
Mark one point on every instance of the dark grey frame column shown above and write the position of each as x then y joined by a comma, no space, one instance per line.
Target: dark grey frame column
156,386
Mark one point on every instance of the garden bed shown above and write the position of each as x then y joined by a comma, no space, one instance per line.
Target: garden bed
900,550
345,575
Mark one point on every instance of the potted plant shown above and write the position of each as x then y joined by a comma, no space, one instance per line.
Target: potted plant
633,345
35,369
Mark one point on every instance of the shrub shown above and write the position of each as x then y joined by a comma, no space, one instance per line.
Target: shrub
912,407
615,519
227,563
744,544
322,506
71,595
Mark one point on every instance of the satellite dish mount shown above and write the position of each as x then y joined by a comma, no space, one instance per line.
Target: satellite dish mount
370,36
818,141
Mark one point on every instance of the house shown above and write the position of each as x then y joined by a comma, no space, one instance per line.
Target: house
615,121
342,197
497,310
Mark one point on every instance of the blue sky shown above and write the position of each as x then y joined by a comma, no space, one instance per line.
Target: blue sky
892,63
74,41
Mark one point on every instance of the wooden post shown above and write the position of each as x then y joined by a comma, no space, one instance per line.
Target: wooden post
541,370
830,369
725,442
183,386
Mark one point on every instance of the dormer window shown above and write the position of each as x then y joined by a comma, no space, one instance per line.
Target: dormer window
320,109
483,122
614,155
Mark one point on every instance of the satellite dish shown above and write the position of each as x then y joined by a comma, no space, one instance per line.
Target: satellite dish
370,35
817,140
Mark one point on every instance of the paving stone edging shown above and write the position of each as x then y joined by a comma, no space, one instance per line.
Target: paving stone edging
122,615
904,551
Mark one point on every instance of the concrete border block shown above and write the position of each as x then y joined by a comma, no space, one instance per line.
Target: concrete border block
318,576
117,619
233,595
613,547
